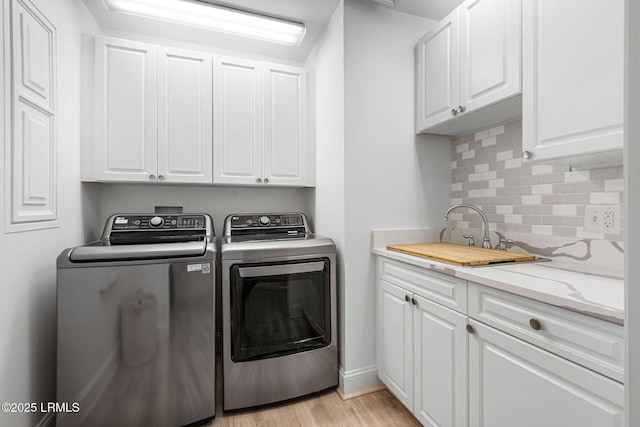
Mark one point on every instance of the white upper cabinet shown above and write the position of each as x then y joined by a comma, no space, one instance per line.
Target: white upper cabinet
153,110
468,68
237,121
285,130
126,126
184,116
260,123
573,81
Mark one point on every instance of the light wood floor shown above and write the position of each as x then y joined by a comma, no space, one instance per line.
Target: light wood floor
326,409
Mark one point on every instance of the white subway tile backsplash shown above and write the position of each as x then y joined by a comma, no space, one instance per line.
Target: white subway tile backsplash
513,163
488,142
531,200
484,167
604,198
577,176
564,210
542,189
541,169
541,199
614,185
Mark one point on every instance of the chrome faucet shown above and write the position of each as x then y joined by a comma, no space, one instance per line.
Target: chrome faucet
486,242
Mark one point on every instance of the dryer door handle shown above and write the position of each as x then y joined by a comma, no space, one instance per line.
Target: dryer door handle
278,270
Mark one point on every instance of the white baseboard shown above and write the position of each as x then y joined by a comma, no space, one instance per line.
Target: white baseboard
359,380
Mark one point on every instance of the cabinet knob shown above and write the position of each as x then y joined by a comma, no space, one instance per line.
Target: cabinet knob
535,325
266,180
470,329
527,155
454,112
259,180
413,301
407,298
152,177
160,177
460,109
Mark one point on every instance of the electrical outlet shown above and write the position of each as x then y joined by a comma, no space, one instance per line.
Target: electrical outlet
602,219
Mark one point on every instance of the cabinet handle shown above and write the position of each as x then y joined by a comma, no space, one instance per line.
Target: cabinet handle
470,329
259,181
460,109
152,177
266,180
454,112
413,301
406,298
160,177
527,155
535,325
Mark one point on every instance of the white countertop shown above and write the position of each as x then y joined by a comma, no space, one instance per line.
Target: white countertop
551,282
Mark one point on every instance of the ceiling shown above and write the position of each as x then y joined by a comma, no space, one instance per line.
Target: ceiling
313,13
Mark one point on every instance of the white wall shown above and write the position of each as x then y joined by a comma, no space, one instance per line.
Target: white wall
216,201
393,178
27,259
632,207
326,67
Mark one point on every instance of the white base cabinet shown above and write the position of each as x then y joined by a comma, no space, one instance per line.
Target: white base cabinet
422,345
513,383
507,361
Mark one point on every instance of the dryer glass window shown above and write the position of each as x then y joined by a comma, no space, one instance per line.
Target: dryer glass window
279,308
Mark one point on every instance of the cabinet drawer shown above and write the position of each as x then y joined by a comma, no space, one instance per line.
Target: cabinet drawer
587,341
448,291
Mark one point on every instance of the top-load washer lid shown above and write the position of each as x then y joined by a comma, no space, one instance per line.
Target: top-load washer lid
149,236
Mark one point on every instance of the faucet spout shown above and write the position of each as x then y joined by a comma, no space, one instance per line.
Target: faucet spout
486,242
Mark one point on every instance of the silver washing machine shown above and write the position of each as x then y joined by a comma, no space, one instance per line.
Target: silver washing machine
135,328
279,311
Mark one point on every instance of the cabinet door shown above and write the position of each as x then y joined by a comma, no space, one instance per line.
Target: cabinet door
237,122
126,131
437,73
512,383
185,116
573,81
490,54
395,341
440,365
30,162
285,125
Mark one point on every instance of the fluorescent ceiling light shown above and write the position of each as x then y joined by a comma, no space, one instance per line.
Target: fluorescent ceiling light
212,17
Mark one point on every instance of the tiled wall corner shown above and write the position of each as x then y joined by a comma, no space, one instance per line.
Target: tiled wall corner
487,171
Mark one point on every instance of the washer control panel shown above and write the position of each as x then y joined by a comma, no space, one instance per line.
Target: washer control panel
160,222
267,221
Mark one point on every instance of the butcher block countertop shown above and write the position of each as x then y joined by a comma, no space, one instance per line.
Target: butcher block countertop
561,284
460,254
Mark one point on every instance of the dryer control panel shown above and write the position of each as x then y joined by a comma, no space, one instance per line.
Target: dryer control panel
157,222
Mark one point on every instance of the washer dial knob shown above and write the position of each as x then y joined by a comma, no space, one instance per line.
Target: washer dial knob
264,220
156,221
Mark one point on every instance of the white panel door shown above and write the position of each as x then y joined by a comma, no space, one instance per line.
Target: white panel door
185,116
490,52
30,165
395,341
573,70
440,365
437,73
126,125
237,114
512,383
285,125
